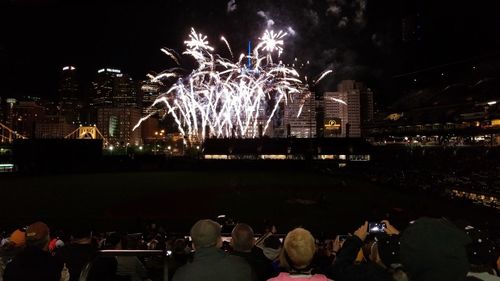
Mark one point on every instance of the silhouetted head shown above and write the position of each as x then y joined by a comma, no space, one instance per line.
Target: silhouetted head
242,238
205,234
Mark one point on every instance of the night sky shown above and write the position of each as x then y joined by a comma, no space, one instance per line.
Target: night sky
360,39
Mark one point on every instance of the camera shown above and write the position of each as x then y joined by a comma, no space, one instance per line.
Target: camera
376,227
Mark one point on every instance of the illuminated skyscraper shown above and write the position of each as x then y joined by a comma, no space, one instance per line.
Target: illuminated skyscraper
116,107
124,91
70,103
103,86
149,91
114,88
116,124
366,103
343,106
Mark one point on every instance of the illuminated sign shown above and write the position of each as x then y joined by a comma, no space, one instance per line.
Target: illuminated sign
393,116
112,70
333,124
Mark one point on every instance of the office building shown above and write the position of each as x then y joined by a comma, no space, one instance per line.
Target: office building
111,88
25,115
149,91
116,124
344,107
54,127
300,116
70,104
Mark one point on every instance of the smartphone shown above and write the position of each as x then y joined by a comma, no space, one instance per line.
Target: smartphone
376,227
343,237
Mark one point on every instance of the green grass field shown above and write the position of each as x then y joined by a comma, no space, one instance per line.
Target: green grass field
323,203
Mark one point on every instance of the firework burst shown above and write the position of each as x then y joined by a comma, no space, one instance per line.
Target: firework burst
225,98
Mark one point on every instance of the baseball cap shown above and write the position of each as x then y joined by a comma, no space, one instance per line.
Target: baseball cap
37,231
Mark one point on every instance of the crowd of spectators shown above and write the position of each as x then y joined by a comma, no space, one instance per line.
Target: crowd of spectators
437,170
428,249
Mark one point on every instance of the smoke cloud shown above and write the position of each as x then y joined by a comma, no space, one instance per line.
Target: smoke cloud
231,6
269,21
323,34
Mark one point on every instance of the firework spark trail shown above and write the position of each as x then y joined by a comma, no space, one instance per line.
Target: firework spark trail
308,95
161,76
142,120
323,75
338,100
172,54
223,98
228,46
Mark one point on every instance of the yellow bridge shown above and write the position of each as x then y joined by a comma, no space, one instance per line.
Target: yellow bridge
87,132
7,135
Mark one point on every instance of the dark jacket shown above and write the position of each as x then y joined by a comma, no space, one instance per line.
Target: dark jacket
214,264
76,257
434,249
33,264
101,269
344,269
261,265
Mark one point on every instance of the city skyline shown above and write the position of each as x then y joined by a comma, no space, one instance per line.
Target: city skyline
399,50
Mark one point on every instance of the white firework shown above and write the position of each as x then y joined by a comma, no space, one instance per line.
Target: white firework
271,42
222,98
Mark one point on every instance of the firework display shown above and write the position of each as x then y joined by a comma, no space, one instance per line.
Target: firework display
225,98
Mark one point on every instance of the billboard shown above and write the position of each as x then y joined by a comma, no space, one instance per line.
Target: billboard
332,126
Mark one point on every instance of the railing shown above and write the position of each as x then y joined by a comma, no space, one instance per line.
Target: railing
141,253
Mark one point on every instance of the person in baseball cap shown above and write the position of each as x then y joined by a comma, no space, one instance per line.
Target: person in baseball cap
34,262
481,254
18,238
38,235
